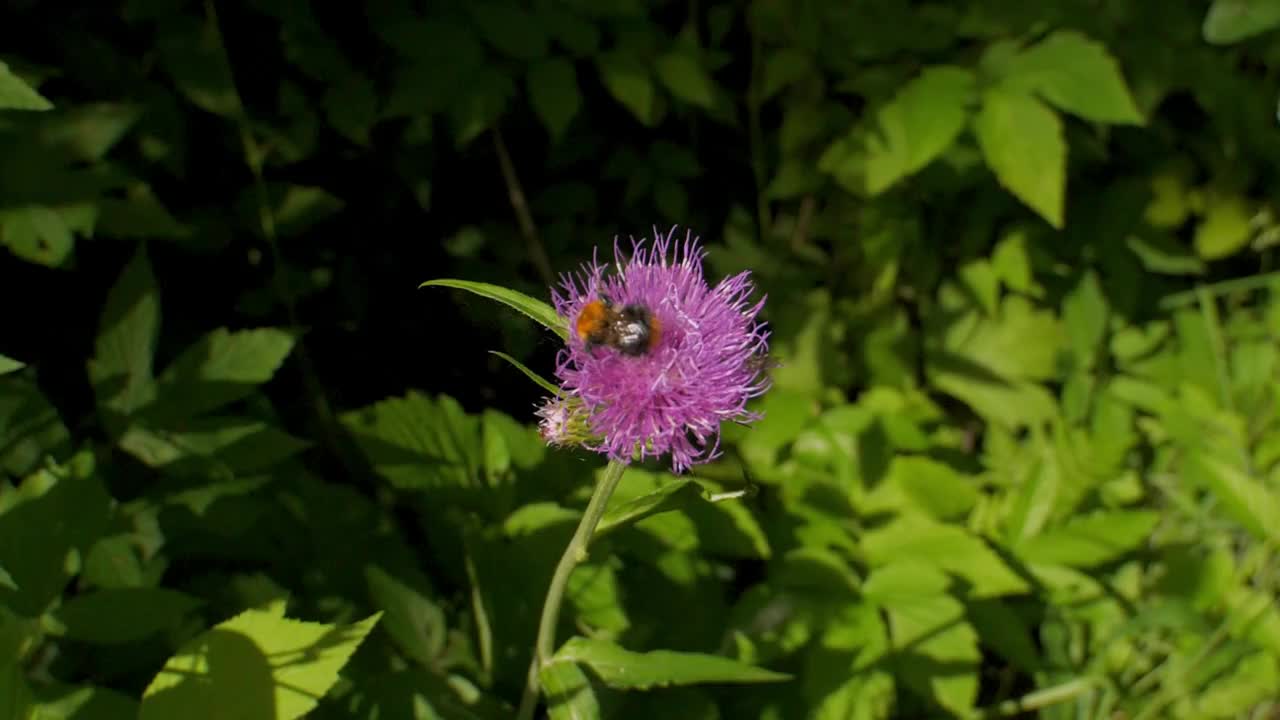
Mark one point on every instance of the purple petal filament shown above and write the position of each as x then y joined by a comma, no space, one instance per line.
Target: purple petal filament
705,366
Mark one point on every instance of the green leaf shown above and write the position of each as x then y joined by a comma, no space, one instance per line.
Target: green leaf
220,368
230,445
1165,255
1022,143
416,443
121,366
541,381
17,95
510,29
1227,226
1230,21
937,650
568,691
8,365
299,207
623,669
627,80
82,702
921,122
541,312
553,92
113,562
88,132
671,496
1085,315
192,53
258,664
685,77
123,615
946,547
1247,501
30,428
36,234
414,622
1090,540
922,483
1077,75
51,517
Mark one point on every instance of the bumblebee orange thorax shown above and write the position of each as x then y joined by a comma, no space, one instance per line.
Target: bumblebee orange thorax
592,320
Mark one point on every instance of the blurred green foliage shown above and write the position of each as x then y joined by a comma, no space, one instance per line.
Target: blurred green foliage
1022,454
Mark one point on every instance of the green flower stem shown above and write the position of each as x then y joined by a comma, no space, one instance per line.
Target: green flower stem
574,554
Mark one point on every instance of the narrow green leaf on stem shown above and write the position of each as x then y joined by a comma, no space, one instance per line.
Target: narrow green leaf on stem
539,311
541,381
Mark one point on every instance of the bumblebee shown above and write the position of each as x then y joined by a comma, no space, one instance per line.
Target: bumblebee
631,330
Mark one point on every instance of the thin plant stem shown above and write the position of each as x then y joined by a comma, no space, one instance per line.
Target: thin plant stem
515,194
574,553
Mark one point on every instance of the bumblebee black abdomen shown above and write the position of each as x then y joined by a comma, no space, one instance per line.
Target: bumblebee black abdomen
637,330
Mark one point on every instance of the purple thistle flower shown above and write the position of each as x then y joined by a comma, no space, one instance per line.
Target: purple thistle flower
705,363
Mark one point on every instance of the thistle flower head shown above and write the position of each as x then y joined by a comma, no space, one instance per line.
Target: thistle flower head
698,362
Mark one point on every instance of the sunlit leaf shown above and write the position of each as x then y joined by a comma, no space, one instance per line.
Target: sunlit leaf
1022,143
258,664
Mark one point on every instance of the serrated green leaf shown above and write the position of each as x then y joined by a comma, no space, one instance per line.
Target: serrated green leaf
568,692
686,78
121,369
220,368
946,547
258,664
418,443
620,668
414,622
1230,21
229,445
1022,143
938,650
539,311
921,122
628,81
1077,75
541,381
923,484
6,580
1090,540
553,92
17,95
123,615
